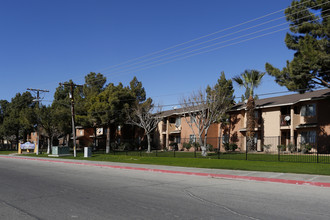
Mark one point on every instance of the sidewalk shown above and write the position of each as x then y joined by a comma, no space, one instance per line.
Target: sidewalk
288,178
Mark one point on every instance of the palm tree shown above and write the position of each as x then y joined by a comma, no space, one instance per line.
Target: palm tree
249,79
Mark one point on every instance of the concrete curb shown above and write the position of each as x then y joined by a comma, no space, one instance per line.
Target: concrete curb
225,176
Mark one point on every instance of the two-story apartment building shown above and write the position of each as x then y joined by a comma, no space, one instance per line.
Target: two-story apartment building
175,128
290,119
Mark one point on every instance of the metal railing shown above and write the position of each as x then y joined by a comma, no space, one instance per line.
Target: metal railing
303,149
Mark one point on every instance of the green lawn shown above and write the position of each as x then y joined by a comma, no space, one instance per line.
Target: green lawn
186,160
8,152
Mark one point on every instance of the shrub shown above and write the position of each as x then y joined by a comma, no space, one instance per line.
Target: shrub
233,146
187,146
209,147
230,147
226,145
292,147
305,148
196,145
281,147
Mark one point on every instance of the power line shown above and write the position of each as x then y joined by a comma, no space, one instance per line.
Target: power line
204,36
180,58
138,68
223,36
156,63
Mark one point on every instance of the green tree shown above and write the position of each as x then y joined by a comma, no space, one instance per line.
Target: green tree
21,117
249,79
110,107
137,90
94,85
61,111
3,113
309,38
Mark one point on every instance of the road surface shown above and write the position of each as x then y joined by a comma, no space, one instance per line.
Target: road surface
46,190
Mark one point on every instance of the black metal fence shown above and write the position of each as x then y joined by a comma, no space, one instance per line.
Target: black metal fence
309,149
286,149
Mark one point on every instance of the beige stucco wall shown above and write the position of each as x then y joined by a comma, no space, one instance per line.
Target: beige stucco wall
271,119
271,127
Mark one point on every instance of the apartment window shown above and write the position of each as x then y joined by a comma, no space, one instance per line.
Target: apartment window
308,110
256,114
177,139
81,132
308,137
225,139
192,138
177,122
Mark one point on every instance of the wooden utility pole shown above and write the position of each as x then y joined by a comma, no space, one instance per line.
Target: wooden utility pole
38,102
71,96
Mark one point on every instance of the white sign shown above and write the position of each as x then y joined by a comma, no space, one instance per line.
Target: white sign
27,146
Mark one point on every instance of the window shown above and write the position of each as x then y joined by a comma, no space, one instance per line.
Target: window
192,138
225,139
177,122
308,137
177,139
308,110
256,114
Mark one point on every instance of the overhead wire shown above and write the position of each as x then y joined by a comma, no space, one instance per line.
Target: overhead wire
218,38
213,39
180,57
216,48
204,36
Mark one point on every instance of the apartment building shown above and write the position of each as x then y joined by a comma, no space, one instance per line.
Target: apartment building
174,129
290,119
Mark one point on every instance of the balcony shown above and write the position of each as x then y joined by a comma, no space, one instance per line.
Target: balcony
285,120
172,128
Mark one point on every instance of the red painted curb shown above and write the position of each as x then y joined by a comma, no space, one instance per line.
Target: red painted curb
226,176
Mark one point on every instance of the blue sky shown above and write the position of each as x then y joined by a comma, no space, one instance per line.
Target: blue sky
43,43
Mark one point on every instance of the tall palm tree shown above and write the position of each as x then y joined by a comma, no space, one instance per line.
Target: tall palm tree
249,79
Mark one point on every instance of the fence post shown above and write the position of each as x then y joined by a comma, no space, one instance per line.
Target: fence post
246,150
156,152
174,152
195,147
141,152
219,139
278,149
317,151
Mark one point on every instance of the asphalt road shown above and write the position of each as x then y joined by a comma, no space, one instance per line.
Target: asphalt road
46,190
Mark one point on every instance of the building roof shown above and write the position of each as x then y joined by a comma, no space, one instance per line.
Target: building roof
287,99
268,102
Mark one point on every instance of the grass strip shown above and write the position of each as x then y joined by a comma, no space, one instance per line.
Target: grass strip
283,167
